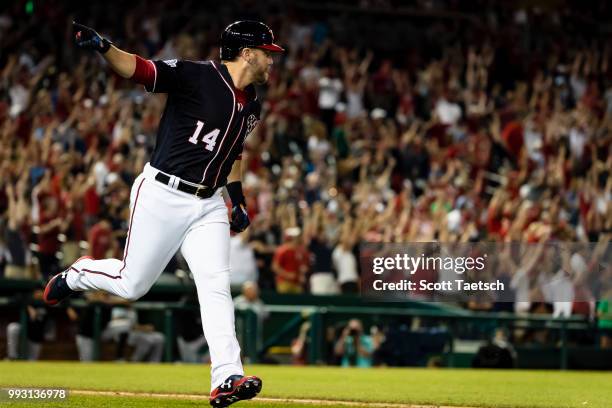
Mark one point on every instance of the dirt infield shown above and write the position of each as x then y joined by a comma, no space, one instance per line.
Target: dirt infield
316,402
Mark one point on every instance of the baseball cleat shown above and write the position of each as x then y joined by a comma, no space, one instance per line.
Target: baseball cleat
235,388
57,288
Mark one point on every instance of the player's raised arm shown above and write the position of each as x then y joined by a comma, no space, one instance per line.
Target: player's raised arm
123,63
126,65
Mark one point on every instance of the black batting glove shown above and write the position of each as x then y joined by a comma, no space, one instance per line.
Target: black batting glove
88,39
240,218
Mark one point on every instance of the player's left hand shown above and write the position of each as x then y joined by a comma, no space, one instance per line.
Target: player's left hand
240,218
88,39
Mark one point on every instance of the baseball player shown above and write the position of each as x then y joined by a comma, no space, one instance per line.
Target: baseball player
176,202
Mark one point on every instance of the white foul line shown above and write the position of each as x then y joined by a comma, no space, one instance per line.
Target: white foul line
318,402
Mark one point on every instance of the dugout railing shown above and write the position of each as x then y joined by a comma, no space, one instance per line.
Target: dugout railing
321,317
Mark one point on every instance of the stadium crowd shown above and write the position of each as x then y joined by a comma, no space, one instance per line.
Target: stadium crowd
483,131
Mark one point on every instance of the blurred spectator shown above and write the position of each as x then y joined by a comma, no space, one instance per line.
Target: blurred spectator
354,347
264,240
346,263
51,223
322,280
101,240
37,319
250,300
17,259
497,353
300,345
447,110
604,313
190,337
330,90
521,281
559,288
86,321
123,328
242,261
148,344
290,264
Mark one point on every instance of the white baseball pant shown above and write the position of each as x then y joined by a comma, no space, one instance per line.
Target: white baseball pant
162,220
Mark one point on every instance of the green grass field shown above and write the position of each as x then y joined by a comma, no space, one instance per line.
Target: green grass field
446,387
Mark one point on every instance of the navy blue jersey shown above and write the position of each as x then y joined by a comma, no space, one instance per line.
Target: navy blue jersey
203,127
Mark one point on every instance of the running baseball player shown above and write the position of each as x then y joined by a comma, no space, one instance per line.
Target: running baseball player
176,202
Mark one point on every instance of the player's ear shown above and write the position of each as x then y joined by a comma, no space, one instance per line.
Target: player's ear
244,53
247,55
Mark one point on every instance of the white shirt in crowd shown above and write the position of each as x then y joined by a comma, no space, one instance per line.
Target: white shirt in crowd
448,112
533,143
522,287
19,99
346,265
577,139
242,262
560,292
354,102
329,92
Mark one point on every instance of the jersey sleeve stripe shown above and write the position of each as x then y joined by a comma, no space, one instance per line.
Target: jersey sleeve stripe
155,78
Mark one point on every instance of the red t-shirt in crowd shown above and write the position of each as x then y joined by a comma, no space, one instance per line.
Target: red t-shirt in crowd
291,258
513,136
100,240
92,201
494,221
48,243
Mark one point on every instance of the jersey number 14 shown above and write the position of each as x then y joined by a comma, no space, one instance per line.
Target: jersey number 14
209,139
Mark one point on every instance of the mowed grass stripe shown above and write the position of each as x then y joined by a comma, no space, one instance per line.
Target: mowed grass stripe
457,387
